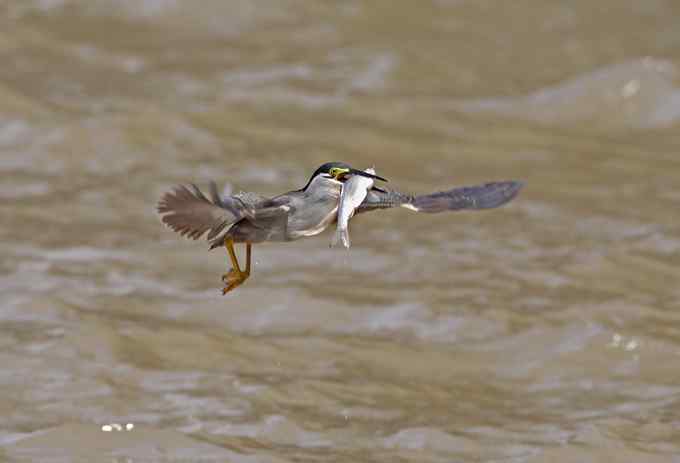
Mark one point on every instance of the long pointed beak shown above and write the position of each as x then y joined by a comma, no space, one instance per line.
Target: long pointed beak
366,174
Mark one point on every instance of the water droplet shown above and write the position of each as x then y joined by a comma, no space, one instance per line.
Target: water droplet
632,345
631,88
616,340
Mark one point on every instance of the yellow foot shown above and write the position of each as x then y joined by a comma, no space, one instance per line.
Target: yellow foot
230,276
233,279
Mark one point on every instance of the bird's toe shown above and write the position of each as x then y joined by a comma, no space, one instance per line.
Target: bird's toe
231,276
233,279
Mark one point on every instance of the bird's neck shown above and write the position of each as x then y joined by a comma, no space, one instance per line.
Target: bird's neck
324,187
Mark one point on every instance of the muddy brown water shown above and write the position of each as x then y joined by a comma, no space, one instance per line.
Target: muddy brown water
548,330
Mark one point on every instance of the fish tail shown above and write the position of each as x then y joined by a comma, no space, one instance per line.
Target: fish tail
341,236
344,236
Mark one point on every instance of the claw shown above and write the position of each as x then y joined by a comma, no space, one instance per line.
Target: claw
235,276
233,279
231,286
231,276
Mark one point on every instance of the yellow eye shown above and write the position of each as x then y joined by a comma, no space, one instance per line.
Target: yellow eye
335,172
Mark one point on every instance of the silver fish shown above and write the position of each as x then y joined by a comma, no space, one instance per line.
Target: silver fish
353,193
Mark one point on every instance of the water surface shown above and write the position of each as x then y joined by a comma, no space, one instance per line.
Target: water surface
546,330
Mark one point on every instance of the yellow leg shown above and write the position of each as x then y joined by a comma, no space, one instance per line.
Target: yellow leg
235,276
229,244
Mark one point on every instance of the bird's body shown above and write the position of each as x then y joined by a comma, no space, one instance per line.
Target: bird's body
289,216
251,218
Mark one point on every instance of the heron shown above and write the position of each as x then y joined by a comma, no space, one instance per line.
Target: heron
250,218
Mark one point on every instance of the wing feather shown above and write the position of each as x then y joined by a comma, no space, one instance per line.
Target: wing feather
186,210
486,196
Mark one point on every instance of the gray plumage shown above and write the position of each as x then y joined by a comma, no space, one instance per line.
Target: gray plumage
249,217
188,212
486,196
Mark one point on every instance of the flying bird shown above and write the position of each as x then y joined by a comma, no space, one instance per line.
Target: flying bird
250,218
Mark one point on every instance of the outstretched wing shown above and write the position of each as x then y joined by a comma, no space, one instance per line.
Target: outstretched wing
187,211
486,196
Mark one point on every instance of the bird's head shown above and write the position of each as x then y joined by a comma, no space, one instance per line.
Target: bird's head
338,172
